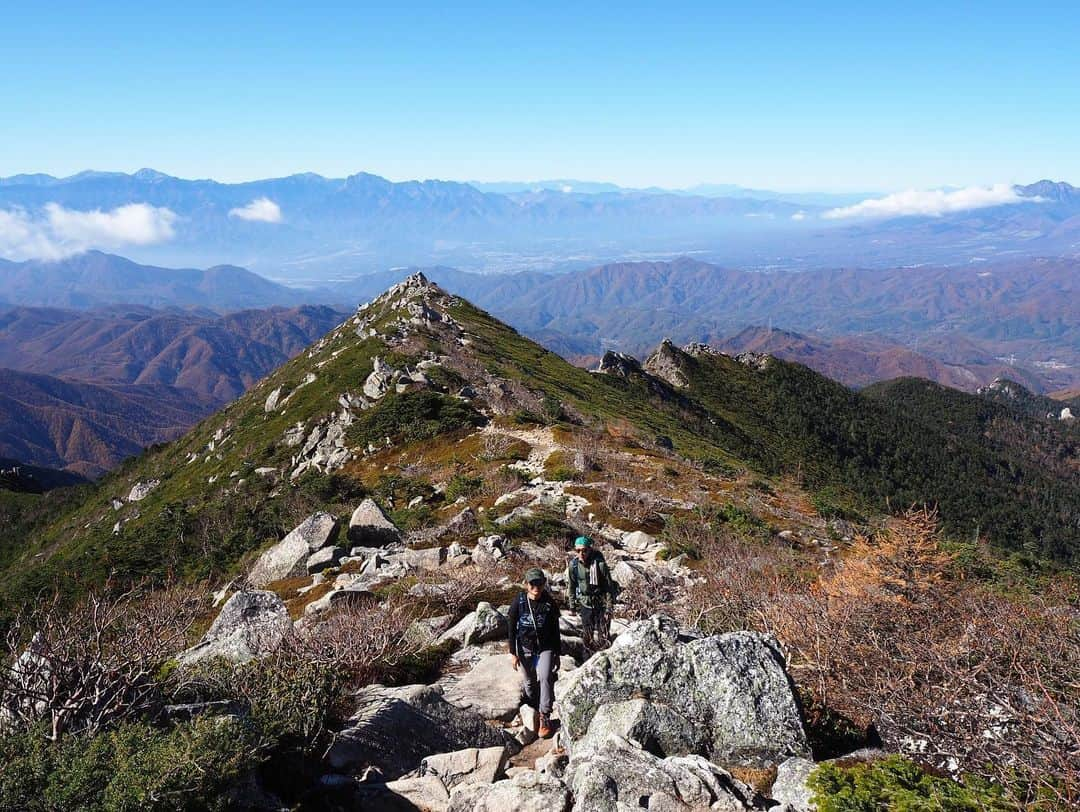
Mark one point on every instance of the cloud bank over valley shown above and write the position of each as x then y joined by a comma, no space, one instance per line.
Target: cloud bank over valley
57,232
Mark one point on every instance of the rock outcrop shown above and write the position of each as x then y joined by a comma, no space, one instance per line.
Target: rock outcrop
369,527
394,729
665,363
249,625
619,774
528,792
288,558
726,697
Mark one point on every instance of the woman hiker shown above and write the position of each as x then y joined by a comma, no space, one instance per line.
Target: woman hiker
535,644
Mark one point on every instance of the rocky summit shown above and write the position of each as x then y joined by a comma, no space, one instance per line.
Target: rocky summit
304,602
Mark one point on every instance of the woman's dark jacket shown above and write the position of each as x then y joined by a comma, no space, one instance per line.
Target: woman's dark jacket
525,640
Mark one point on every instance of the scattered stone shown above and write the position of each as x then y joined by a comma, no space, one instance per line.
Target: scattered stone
525,792
294,435
272,400
625,574
492,689
790,789
141,489
249,625
369,526
395,728
530,718
324,559
424,793
288,557
621,775
428,558
489,550
470,766
637,542
480,626
379,381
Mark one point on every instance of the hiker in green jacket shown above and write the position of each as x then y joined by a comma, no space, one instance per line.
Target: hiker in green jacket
592,592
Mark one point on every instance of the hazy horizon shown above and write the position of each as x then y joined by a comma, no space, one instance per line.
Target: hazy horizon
837,97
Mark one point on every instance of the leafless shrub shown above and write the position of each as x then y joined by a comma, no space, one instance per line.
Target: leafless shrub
501,481
633,505
95,664
497,445
955,674
456,592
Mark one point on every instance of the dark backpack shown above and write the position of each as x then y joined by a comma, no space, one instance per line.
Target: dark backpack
531,623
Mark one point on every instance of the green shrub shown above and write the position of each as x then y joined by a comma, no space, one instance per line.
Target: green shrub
895,783
331,489
541,527
413,518
133,767
551,409
832,503
523,417
461,485
413,416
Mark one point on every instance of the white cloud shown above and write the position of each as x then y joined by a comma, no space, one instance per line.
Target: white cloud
799,215
57,232
259,210
932,202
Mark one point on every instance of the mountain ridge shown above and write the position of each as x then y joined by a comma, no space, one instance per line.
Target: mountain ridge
418,371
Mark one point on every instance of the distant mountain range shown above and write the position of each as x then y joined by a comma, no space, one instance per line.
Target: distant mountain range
93,279
310,229
88,428
119,379
962,326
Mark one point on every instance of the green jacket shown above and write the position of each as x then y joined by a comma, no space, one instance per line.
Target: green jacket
595,595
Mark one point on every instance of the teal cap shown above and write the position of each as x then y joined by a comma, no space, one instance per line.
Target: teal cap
583,541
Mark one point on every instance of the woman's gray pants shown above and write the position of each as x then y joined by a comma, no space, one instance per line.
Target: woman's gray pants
538,679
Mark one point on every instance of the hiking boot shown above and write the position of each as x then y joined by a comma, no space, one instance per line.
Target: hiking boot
546,730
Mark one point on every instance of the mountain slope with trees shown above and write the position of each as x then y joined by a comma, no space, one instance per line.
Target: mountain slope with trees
279,602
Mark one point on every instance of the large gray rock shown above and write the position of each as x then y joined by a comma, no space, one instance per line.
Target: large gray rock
324,559
369,526
625,574
249,625
638,542
424,559
790,789
288,558
489,550
525,792
417,794
620,775
141,489
657,727
492,689
395,728
485,624
470,766
726,697
379,381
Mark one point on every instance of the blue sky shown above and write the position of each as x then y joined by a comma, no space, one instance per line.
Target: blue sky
832,96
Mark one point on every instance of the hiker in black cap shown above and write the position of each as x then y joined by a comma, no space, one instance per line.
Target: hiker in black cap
535,644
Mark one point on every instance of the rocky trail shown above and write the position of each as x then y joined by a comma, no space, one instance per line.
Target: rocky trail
664,719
